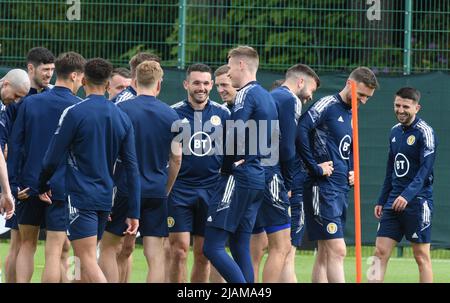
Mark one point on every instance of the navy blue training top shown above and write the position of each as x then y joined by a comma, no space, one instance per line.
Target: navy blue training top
152,121
94,132
36,122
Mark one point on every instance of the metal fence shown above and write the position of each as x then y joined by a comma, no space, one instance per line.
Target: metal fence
390,36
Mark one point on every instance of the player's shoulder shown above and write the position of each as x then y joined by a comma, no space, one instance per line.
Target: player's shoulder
324,102
124,95
424,126
179,105
221,108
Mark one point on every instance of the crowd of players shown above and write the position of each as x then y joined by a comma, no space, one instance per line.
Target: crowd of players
251,173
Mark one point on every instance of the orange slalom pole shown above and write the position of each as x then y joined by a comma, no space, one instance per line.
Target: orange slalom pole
357,196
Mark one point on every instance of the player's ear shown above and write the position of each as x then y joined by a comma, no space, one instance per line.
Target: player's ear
185,84
30,67
83,81
418,107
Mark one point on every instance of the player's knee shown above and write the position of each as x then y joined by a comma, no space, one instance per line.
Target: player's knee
127,250
382,253
422,258
337,252
180,252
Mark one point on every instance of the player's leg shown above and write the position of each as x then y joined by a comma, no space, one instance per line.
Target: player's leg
154,254
167,260
201,267
214,250
390,232
65,254
54,243
336,252
319,273
258,246
56,220
86,227
214,276
86,250
11,258
109,249
181,205
423,259
154,230
279,246
25,258
383,250
125,258
179,245
288,274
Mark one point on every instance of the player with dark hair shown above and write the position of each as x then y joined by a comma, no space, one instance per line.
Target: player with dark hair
30,138
90,136
405,206
324,143
202,120
120,80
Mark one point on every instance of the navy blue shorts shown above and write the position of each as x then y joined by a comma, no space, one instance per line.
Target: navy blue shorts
188,208
153,221
86,223
325,212
53,217
274,210
12,222
414,222
297,218
234,208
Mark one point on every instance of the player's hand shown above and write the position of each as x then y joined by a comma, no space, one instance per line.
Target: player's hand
22,194
7,205
399,204
237,163
289,193
351,178
133,225
378,211
46,197
327,168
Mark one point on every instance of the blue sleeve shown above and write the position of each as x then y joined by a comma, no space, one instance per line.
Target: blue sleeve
58,147
242,112
306,125
16,142
10,116
3,130
427,158
288,113
387,184
128,156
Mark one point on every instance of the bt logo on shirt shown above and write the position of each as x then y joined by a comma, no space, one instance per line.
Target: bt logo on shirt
401,165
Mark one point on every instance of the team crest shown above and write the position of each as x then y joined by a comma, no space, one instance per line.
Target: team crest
411,139
170,222
215,120
332,228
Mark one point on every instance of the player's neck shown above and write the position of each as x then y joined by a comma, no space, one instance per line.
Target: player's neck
197,106
146,91
66,84
94,90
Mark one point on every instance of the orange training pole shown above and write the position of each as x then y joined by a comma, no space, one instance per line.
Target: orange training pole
356,185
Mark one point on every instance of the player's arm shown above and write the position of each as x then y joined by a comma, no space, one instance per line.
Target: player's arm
128,156
306,125
6,200
175,158
57,149
242,113
16,142
287,116
427,158
387,184
129,161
